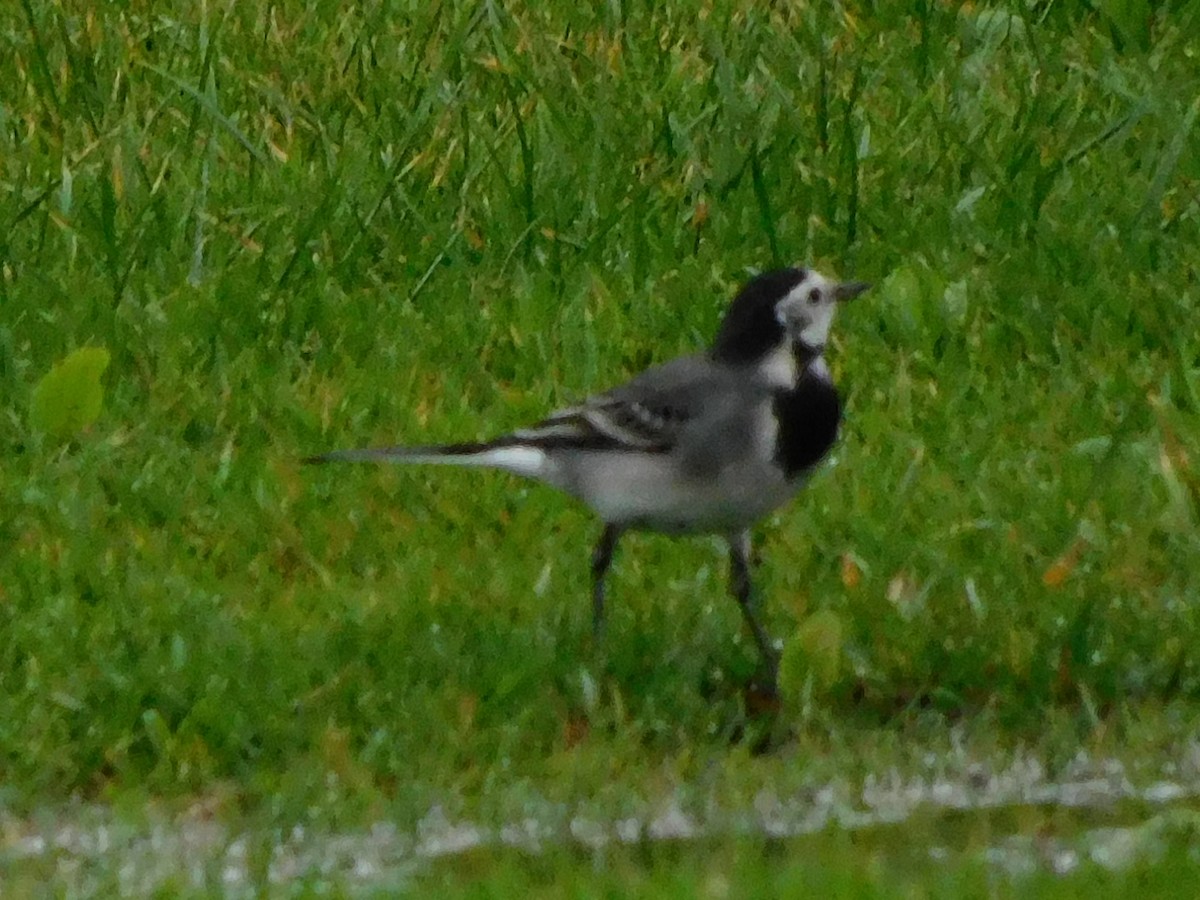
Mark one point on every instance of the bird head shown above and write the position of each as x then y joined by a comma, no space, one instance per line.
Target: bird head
779,308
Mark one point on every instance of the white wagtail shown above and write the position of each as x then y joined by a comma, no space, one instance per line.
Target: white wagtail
704,444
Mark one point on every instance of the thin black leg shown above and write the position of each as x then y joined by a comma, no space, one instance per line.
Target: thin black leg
601,560
740,587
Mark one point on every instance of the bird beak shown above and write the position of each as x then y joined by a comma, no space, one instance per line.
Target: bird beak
850,289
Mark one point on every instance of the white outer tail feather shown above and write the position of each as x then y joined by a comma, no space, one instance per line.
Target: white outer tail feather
520,459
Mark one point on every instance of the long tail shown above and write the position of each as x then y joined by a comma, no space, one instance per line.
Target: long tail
509,455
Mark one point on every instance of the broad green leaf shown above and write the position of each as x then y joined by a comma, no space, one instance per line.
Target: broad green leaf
814,651
70,396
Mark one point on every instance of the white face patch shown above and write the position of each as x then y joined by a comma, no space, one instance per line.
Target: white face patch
818,368
806,313
778,368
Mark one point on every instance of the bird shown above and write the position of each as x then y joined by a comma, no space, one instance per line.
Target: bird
707,443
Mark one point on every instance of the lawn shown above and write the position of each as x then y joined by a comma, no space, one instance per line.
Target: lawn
236,234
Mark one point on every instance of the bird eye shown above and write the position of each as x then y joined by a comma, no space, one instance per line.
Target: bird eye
814,297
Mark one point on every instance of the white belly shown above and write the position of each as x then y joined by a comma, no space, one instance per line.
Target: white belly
650,492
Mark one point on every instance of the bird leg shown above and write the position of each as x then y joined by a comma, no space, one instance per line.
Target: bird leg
601,560
740,587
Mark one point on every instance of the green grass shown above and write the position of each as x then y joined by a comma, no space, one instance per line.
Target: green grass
315,226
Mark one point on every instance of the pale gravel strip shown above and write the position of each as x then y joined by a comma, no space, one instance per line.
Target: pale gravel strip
88,843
